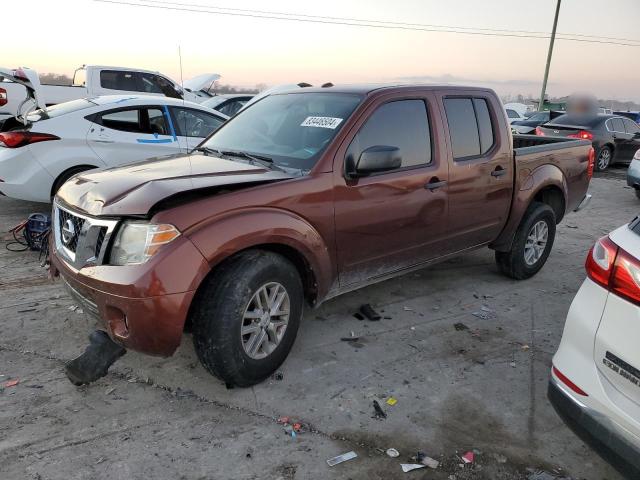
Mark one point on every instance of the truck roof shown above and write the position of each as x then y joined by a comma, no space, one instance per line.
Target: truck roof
368,88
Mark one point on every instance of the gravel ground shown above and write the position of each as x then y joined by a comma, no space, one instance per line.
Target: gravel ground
480,389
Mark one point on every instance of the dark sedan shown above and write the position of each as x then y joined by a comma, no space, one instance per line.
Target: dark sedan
615,138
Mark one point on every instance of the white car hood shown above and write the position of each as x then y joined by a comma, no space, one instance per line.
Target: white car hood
201,82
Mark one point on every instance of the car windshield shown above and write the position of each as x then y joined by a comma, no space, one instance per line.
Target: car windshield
291,129
60,109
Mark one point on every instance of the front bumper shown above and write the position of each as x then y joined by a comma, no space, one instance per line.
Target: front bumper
606,437
142,307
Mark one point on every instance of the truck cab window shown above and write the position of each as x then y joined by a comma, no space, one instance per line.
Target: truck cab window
403,124
470,127
119,80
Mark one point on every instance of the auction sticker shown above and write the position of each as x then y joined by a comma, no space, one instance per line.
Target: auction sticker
322,122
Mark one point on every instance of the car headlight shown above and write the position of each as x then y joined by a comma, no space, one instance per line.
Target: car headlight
137,242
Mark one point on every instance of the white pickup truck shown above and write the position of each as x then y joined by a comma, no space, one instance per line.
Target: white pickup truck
94,80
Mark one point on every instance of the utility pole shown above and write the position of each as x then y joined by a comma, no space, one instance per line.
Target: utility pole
546,69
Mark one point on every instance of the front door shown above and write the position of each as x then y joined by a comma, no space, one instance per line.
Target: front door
481,171
389,221
128,135
633,144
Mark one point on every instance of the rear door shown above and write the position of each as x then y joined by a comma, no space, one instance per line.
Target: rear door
192,126
392,220
130,134
621,139
633,129
481,171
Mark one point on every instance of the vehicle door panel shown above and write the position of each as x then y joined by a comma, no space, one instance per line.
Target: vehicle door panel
124,136
389,221
480,182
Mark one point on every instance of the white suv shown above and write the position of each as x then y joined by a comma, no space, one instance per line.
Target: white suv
595,378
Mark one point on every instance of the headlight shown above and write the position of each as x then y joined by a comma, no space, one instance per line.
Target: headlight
137,242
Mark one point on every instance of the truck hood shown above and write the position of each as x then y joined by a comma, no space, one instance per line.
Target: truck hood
201,82
136,188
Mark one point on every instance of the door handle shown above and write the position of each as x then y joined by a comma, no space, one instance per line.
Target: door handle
498,172
435,183
104,141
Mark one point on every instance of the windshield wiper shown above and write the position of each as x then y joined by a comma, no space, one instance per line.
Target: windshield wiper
252,157
206,150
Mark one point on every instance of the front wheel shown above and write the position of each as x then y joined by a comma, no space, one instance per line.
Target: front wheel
531,245
246,317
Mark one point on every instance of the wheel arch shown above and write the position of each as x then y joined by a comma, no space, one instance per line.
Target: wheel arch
57,183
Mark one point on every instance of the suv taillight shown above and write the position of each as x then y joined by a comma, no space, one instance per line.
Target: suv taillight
20,139
582,135
592,162
615,269
539,132
3,97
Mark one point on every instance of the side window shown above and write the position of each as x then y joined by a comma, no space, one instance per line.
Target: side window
403,124
512,113
485,128
157,122
616,125
463,128
231,107
630,126
119,80
152,83
123,120
194,123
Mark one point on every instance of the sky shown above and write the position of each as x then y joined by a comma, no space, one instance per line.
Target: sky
59,36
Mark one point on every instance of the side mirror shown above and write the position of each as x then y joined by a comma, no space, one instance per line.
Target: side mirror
379,158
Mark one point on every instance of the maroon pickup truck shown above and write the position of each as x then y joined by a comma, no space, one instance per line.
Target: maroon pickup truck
301,197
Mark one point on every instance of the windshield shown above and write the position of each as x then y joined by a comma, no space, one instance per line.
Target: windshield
291,129
61,109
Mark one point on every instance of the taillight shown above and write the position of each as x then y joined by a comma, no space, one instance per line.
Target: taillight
563,378
599,264
592,162
20,139
3,97
615,269
582,135
539,132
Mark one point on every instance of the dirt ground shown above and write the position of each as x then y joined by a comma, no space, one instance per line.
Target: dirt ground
481,388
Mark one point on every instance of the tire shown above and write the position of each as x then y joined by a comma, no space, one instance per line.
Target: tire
518,263
604,158
219,314
64,176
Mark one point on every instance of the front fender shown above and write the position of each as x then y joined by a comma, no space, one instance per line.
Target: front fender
224,236
530,182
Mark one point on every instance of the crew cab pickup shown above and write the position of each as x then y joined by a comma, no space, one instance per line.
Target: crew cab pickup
303,196
95,80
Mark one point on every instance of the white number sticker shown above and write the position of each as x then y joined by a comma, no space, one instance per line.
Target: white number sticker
321,122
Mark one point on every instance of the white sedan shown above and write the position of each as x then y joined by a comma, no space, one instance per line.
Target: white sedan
40,152
595,378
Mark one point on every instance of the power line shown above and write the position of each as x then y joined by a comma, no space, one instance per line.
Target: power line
175,6
385,22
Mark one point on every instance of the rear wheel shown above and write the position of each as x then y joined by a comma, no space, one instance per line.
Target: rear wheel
531,245
246,317
603,159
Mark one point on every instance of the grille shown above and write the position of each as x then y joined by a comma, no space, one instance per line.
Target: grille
99,241
78,222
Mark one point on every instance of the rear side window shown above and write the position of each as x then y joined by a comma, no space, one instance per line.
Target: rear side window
403,124
119,80
470,127
616,125
630,126
123,120
194,123
512,113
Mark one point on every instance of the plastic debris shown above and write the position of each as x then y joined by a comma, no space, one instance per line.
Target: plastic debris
11,383
393,453
407,309
407,467
378,412
392,401
352,338
460,326
368,311
341,458
468,457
